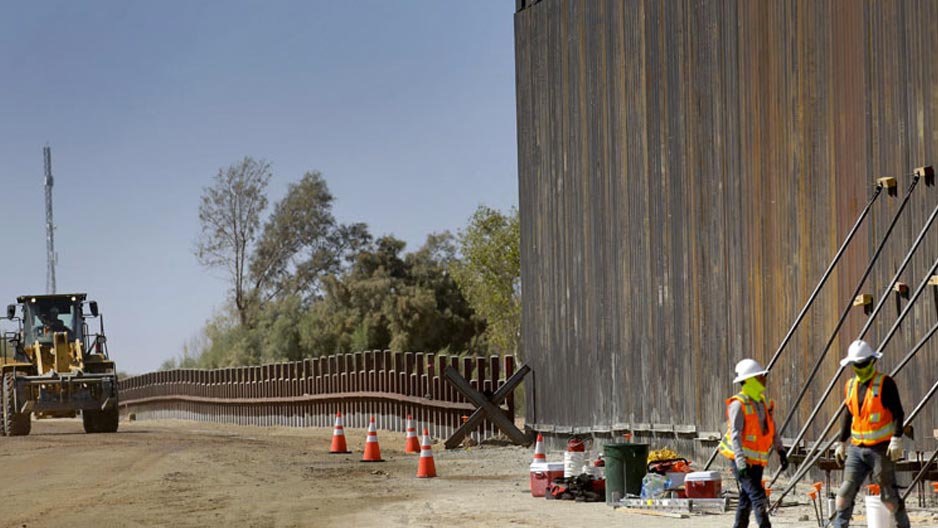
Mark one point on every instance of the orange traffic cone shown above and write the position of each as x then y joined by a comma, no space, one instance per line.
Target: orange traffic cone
338,437
539,455
426,468
412,444
372,449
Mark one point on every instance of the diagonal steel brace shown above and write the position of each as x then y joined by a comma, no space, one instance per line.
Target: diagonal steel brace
486,408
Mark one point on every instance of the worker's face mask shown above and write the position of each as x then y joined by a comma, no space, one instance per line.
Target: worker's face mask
753,388
865,370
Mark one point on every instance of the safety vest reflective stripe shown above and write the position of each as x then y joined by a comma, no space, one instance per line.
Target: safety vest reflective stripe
872,423
874,437
761,456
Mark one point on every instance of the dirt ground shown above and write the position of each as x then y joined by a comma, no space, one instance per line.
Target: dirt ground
174,473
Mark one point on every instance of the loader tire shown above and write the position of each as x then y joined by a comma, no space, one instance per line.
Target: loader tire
100,421
89,420
108,420
14,423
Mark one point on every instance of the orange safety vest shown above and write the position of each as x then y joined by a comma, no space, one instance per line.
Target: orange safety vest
872,423
756,444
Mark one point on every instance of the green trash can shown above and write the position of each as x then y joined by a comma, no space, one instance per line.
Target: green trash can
626,465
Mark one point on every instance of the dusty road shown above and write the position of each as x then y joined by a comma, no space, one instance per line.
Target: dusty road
183,474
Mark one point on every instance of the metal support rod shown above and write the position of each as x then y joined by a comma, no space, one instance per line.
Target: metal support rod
810,458
921,474
918,408
817,290
824,277
866,327
846,311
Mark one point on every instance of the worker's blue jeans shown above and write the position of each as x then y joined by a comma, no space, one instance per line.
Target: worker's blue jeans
752,498
861,461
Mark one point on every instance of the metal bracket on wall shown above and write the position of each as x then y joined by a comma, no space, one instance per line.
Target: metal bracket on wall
866,301
902,289
927,173
890,184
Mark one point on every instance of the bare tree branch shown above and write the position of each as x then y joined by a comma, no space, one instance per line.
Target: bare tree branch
229,213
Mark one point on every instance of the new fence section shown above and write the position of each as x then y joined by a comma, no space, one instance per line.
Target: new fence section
384,384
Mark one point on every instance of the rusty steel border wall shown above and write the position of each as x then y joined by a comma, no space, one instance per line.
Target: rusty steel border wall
686,172
384,384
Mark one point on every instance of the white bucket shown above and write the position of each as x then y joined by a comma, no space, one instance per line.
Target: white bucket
573,463
877,516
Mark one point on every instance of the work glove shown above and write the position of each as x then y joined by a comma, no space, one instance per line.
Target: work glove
840,454
894,451
742,473
783,460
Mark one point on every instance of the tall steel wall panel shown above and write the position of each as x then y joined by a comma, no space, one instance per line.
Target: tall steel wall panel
687,170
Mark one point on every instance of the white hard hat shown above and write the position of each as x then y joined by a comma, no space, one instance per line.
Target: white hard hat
748,368
859,352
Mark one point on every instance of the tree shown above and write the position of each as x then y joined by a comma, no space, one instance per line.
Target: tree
230,212
278,330
230,344
432,313
489,273
353,312
301,243
388,299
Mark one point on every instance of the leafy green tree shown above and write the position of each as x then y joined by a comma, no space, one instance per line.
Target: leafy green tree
279,333
301,243
391,300
230,343
432,313
354,304
305,285
489,274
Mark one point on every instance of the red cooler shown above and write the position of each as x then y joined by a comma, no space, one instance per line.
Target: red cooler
703,485
542,474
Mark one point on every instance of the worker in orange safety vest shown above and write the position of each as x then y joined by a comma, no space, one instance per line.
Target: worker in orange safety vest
750,437
873,424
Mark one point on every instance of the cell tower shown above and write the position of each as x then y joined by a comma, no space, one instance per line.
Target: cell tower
50,224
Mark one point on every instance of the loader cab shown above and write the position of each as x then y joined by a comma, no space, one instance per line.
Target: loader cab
46,315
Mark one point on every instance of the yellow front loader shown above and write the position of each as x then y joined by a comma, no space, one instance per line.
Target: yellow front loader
53,367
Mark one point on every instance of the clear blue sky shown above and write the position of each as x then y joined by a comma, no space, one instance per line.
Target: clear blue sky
407,107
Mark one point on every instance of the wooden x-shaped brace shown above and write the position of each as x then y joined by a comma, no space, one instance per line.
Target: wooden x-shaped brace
486,408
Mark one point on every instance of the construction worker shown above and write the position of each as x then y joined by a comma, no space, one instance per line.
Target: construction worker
52,324
874,427
750,436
